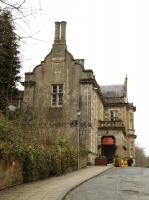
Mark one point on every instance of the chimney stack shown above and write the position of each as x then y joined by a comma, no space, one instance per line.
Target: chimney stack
60,33
57,31
63,32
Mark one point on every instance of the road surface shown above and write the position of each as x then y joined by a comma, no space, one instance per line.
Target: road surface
116,184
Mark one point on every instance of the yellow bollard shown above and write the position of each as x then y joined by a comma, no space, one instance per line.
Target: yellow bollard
123,163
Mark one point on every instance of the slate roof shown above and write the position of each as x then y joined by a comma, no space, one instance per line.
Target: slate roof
113,91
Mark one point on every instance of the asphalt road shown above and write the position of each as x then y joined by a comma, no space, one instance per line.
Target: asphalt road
116,184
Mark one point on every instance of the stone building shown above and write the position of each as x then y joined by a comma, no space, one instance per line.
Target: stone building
60,86
118,124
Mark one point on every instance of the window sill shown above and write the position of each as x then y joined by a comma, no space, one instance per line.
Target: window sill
56,106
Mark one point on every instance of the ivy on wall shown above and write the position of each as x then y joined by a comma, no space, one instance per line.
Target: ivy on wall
38,160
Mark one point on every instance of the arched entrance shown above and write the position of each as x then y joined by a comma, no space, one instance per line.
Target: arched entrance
108,147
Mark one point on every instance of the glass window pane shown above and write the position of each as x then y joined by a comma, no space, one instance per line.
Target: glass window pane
57,95
54,88
114,115
53,102
54,99
60,88
54,96
60,102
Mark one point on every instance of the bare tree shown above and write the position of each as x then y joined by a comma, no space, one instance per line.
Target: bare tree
141,158
21,11
6,4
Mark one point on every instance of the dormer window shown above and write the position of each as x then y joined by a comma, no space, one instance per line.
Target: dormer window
57,95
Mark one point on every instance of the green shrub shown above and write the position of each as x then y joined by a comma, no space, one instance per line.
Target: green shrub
38,160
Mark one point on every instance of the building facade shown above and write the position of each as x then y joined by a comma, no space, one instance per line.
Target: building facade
118,124
60,86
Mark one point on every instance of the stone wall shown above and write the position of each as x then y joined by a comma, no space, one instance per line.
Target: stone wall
10,173
83,161
126,114
91,112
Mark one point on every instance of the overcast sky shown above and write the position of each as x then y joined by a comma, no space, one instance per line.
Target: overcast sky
111,35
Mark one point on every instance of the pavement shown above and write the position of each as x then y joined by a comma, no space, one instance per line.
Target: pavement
119,183
54,188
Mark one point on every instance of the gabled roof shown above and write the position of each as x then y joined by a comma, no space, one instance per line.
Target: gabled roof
113,91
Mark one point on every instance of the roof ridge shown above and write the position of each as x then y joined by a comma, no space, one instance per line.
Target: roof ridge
112,85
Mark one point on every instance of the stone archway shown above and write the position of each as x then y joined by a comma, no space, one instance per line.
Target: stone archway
108,147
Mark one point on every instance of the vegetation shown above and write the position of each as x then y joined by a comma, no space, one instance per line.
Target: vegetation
40,155
39,160
141,159
9,60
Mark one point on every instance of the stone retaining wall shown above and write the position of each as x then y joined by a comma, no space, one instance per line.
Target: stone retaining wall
10,173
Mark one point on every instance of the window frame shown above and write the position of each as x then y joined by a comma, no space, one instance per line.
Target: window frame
58,92
131,120
115,115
